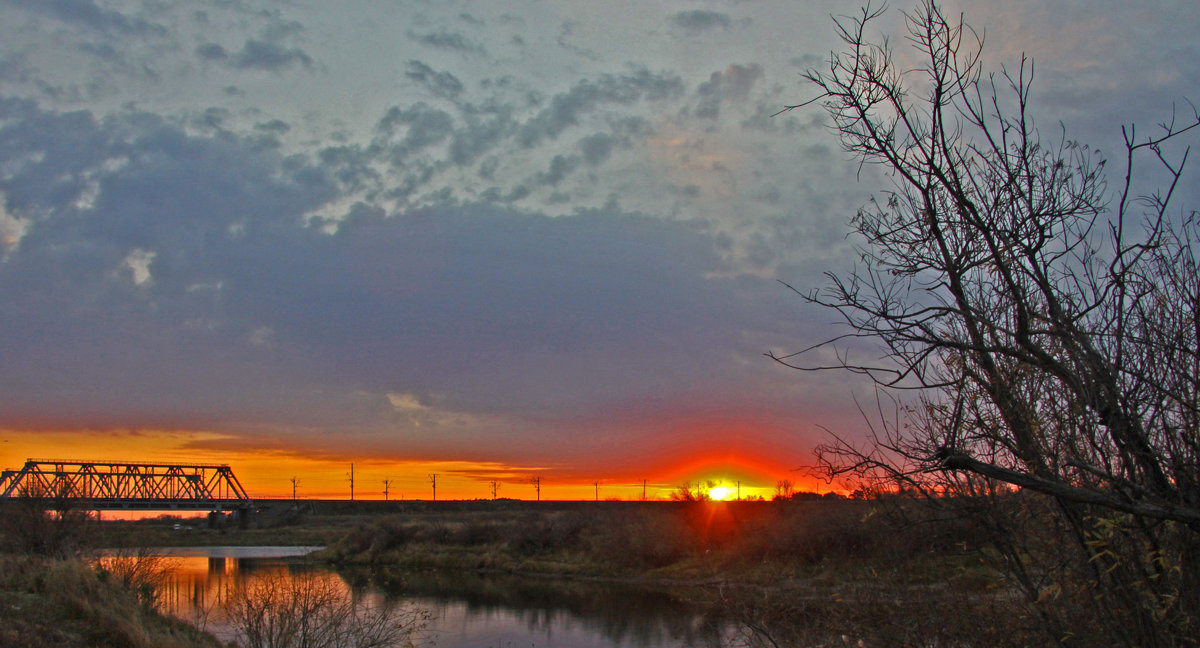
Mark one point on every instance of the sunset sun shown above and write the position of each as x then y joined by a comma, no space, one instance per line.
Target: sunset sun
721,493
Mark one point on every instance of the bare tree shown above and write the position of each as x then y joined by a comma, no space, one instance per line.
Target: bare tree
49,523
784,489
1047,322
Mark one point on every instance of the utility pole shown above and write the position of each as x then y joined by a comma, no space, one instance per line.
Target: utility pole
387,485
495,487
351,476
597,485
295,482
433,481
643,490
739,491
537,485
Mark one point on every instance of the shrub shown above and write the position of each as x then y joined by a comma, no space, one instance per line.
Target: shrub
282,611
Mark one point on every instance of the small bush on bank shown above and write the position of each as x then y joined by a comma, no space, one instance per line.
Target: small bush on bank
314,612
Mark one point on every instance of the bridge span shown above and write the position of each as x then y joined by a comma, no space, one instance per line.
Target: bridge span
111,485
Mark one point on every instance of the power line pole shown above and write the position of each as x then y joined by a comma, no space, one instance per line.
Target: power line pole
537,485
387,485
643,490
433,481
295,482
495,487
597,485
351,476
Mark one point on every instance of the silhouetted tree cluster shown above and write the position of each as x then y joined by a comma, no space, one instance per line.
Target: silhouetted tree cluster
46,524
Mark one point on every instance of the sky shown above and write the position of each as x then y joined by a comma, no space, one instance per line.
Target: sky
483,240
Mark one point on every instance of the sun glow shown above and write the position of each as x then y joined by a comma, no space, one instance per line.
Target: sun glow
721,493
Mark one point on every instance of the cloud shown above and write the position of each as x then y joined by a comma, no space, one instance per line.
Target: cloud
440,84
266,55
256,54
422,126
597,148
89,15
734,83
447,40
560,167
481,133
212,52
566,109
12,229
191,289
698,20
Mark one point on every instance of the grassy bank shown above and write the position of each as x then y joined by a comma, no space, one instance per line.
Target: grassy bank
748,543
56,603
789,573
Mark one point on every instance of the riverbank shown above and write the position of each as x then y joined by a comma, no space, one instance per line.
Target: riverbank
50,603
791,573
686,542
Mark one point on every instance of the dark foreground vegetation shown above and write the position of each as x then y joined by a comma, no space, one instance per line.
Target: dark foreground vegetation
890,572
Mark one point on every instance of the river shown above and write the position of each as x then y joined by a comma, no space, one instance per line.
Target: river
466,610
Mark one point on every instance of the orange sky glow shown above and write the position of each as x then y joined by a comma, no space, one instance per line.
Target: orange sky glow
267,474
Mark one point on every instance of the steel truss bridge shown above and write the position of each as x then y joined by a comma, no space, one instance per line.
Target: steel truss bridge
107,485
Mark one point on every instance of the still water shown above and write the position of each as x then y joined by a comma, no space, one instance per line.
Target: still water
467,610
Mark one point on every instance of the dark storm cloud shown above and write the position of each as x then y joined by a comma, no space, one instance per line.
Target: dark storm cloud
440,84
89,15
700,21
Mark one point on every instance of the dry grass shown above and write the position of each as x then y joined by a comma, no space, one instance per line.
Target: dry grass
67,603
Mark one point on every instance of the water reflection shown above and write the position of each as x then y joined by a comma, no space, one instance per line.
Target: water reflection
478,610
469,610
198,588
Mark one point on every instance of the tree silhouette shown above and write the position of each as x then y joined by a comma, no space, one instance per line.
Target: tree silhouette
1047,326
